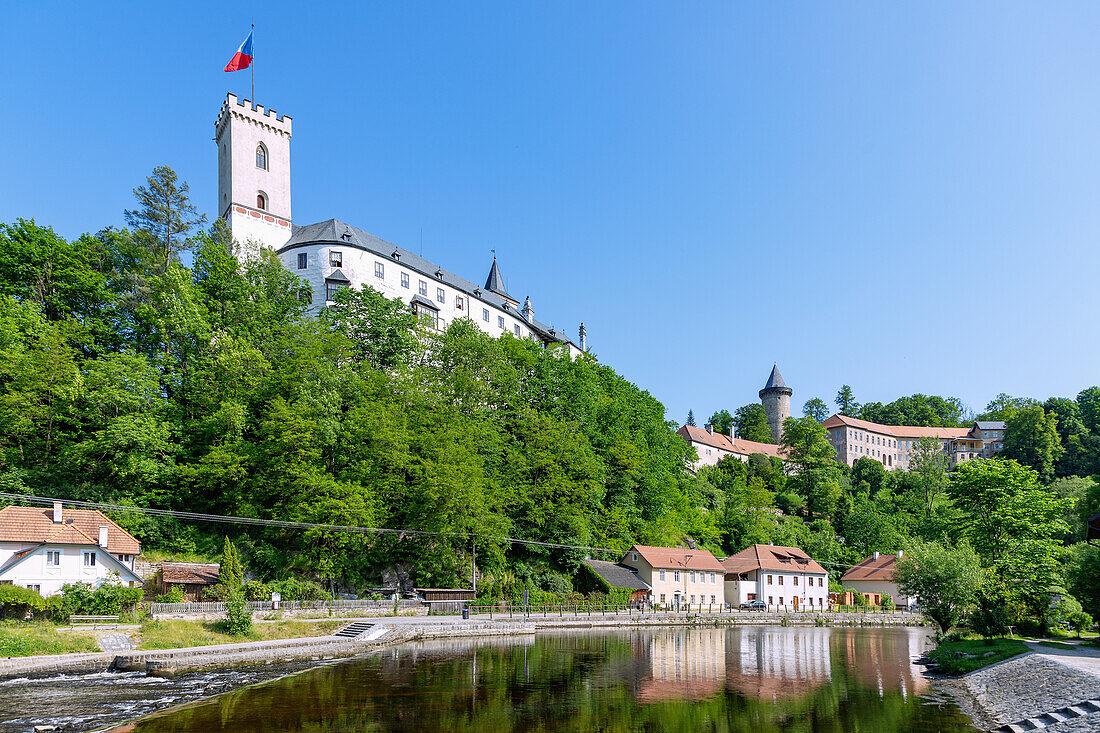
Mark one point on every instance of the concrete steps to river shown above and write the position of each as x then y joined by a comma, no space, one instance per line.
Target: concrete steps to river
354,630
1039,722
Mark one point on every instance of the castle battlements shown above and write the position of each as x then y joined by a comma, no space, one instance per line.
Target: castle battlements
246,109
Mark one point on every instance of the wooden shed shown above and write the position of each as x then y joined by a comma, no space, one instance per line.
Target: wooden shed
193,577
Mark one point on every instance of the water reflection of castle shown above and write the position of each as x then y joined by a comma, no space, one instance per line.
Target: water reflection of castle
772,663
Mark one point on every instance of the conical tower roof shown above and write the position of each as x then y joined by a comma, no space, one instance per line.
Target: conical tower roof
495,281
775,379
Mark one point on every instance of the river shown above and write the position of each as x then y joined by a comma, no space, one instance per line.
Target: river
758,679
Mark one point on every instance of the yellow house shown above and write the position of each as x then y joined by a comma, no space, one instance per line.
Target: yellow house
678,578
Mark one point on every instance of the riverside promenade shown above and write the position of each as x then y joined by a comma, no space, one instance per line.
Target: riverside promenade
373,632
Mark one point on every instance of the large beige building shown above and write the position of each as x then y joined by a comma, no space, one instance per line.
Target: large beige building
678,577
893,445
254,198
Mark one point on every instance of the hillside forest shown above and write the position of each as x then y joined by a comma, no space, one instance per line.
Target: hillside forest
129,378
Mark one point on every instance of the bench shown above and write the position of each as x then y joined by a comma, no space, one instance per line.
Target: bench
94,621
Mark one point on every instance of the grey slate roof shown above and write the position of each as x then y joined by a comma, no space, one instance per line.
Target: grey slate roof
495,282
334,231
617,575
776,379
418,298
337,276
990,424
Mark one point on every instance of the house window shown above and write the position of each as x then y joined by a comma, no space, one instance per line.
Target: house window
35,587
261,157
780,600
485,314
460,302
693,598
440,295
261,202
379,270
712,599
404,279
781,581
303,260
769,580
500,321
662,578
330,290
820,581
53,558
795,582
691,576
662,595
305,295
712,578
515,327
771,600
89,559
634,557
336,259
676,575
423,287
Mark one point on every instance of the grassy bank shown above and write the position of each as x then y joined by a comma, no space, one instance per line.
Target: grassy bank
25,639
177,634
967,655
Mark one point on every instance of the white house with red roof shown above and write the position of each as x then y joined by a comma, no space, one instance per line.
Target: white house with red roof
44,549
712,447
781,577
677,577
875,577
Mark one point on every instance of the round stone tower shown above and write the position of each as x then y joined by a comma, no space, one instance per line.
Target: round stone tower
776,398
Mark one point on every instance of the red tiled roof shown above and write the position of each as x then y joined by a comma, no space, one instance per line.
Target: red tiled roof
677,558
771,557
881,569
193,573
80,527
896,431
740,446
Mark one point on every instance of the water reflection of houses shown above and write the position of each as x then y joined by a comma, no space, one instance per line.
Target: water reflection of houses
885,661
770,663
684,664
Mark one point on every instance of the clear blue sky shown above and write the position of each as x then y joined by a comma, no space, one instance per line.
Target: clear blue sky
901,197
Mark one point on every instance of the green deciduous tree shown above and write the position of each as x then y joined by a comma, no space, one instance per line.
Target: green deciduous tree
944,579
1031,437
752,423
722,421
816,408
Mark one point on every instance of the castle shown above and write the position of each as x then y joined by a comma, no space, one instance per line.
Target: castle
254,198
891,445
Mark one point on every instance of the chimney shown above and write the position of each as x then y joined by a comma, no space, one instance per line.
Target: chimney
103,537
901,554
57,512
876,554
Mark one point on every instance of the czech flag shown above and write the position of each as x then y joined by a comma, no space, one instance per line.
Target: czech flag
243,57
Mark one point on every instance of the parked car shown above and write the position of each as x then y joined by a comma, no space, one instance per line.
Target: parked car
754,606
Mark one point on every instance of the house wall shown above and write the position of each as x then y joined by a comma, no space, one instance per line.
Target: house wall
880,587
782,591
34,570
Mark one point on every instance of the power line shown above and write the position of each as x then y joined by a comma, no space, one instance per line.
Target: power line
283,524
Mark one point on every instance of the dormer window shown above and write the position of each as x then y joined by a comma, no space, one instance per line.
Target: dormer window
261,157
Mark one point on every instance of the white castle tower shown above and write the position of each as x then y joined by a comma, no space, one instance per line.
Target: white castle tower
254,173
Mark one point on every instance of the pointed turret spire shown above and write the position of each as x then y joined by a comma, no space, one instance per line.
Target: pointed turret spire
776,379
527,311
495,282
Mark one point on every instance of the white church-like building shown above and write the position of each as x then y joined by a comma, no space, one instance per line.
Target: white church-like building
254,198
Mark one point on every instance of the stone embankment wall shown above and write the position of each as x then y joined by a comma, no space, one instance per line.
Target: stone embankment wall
305,613
581,619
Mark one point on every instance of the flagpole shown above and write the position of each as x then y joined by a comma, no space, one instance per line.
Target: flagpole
253,65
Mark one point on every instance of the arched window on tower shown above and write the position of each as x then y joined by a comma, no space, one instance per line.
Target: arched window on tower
261,201
261,157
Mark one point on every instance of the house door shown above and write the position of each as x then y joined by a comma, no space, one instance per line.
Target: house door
676,600
795,601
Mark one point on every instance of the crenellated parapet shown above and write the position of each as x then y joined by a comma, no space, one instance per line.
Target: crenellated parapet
245,109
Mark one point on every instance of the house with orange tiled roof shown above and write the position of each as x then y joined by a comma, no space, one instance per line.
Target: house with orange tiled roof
46,548
874,577
781,577
712,447
677,577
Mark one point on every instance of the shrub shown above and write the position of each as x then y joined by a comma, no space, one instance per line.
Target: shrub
990,617
858,598
293,589
19,602
111,598
1080,621
887,602
238,615
174,595
254,590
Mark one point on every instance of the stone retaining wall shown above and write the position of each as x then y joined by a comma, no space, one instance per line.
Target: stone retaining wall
735,618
